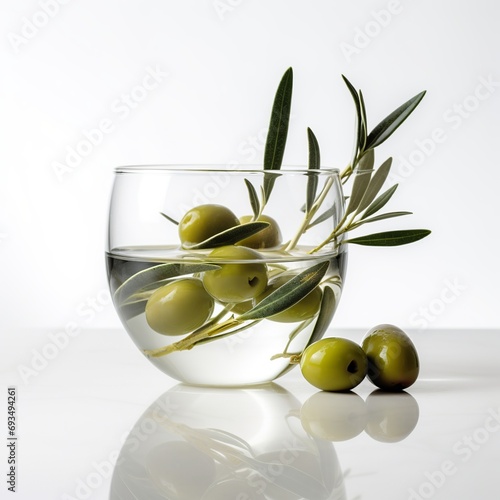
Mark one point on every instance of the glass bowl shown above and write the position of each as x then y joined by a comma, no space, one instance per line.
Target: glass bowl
222,276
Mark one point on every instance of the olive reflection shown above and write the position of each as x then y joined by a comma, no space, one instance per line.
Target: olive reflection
386,417
217,444
391,416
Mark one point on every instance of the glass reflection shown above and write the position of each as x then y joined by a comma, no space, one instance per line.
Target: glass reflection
198,443
256,443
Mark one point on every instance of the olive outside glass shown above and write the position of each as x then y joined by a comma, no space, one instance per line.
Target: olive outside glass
168,279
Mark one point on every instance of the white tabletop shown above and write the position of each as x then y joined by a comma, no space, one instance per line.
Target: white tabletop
98,421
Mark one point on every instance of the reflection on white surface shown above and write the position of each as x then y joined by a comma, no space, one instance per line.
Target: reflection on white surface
386,417
217,444
257,443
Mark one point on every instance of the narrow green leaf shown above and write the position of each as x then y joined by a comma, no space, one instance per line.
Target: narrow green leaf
388,215
358,122
327,214
389,124
263,194
157,273
364,122
278,130
288,294
230,236
390,238
314,164
170,219
376,183
325,316
361,180
254,199
380,201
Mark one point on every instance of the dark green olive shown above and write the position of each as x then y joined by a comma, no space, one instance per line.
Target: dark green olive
305,308
179,307
267,238
334,364
334,417
204,221
238,281
393,363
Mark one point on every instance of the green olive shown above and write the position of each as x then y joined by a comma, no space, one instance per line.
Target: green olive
267,238
305,308
238,281
204,221
334,364
334,417
393,363
179,307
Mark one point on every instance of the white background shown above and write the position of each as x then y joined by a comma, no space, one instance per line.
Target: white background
217,65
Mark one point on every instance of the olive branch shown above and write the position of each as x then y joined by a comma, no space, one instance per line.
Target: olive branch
364,204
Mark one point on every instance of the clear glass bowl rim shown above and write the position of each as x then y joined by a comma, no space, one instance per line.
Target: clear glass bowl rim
218,169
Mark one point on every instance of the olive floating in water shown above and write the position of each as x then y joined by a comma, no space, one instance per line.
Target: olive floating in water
239,281
204,221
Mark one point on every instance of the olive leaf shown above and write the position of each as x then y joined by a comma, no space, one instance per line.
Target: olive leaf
391,238
278,130
254,199
157,273
361,181
288,294
388,215
229,236
314,164
358,125
389,124
170,218
375,185
327,214
363,135
325,316
380,202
